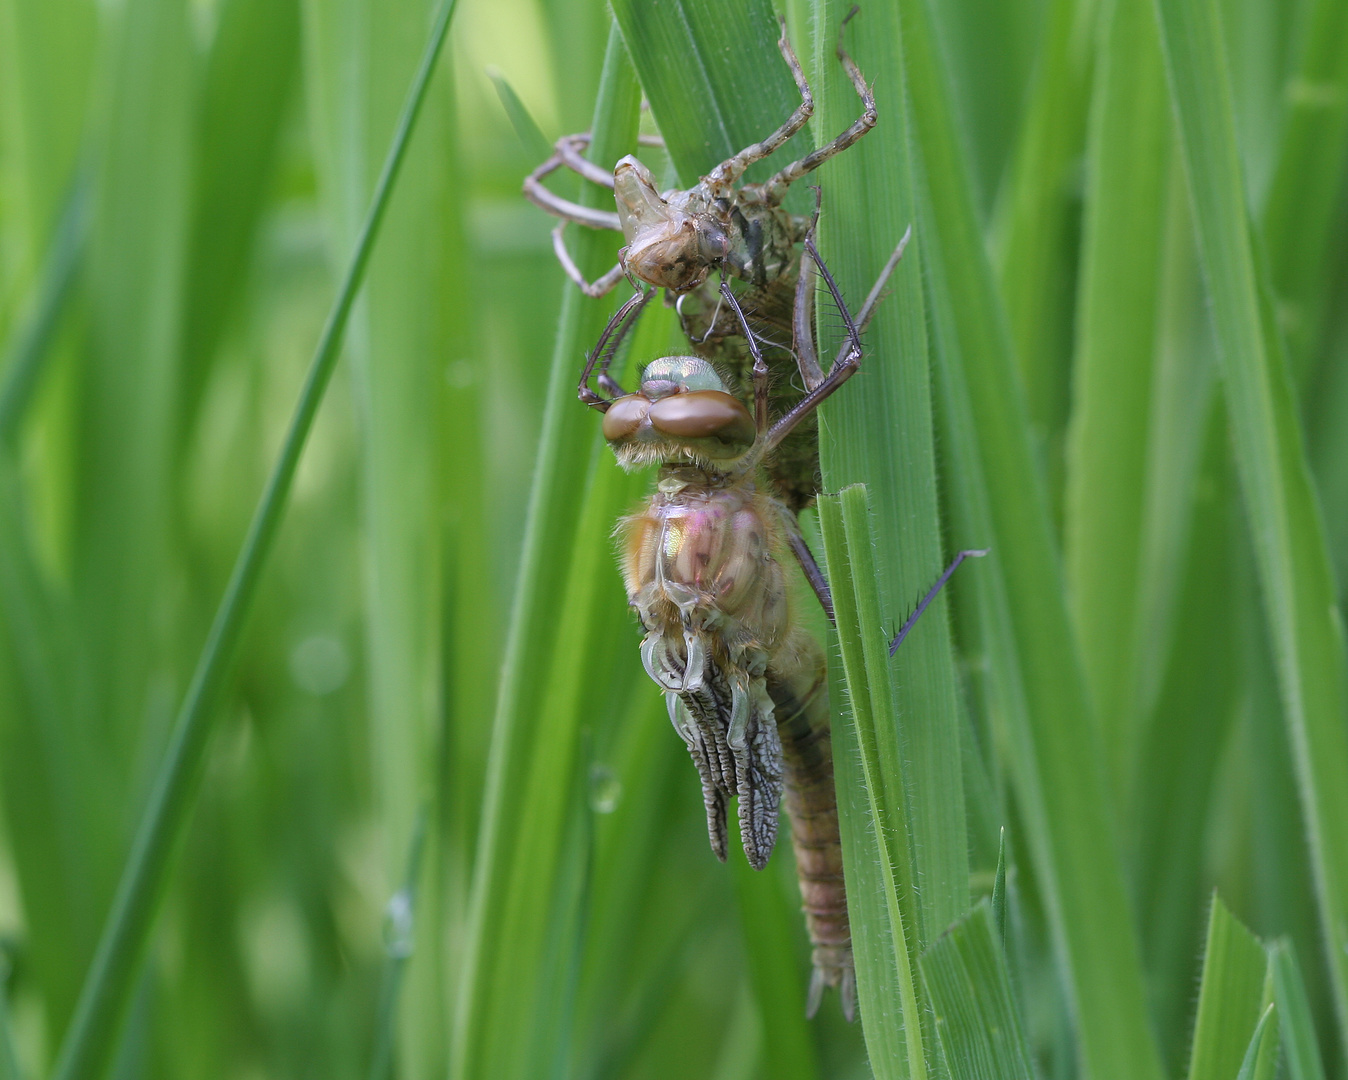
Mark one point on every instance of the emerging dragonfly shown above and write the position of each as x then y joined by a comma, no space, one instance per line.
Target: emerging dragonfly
678,239
705,565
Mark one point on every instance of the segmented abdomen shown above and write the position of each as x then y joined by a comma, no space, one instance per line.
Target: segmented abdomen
800,694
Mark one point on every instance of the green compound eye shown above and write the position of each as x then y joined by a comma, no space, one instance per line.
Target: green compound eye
679,375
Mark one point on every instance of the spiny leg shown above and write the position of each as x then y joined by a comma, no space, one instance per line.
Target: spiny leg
775,189
606,381
849,359
814,573
873,297
972,553
617,328
733,168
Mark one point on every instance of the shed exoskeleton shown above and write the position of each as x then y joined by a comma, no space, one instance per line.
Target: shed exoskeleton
685,240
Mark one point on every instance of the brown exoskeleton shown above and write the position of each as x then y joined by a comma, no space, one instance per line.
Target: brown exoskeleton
677,240
705,561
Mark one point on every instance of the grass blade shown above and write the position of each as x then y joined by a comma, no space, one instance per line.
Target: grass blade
9,1061
31,338
1289,539
1296,1024
1125,226
878,431
399,941
1261,1057
1307,181
1230,997
525,127
1037,221
566,451
890,1013
112,977
999,892
1035,689
246,94
969,985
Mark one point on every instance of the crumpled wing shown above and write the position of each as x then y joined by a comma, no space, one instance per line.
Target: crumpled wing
725,717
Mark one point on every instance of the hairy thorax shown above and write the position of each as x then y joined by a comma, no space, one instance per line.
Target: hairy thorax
703,555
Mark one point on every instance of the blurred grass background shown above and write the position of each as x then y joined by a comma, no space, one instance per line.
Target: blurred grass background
1117,353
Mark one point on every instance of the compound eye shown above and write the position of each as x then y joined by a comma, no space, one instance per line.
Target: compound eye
713,244
703,414
624,416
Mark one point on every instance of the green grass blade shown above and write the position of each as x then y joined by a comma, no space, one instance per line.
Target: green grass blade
112,976
890,1012
566,452
1296,1024
999,892
969,986
1289,539
1305,193
877,430
1125,225
525,127
771,927
399,942
246,95
30,340
1038,220
1230,997
713,76
1261,1057
1035,689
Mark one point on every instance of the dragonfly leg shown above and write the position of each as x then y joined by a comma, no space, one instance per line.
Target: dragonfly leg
873,298
972,553
733,168
802,315
602,354
844,367
601,286
555,205
814,573
775,189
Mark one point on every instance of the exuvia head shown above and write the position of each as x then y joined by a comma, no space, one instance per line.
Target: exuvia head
666,246
681,413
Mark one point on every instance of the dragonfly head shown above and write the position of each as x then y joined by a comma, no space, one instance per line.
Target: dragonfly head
666,246
681,413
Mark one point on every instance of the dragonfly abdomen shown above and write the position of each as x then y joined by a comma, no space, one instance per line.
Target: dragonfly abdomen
800,695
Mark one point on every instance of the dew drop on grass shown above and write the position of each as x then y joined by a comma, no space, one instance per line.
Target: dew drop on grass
605,789
319,664
398,925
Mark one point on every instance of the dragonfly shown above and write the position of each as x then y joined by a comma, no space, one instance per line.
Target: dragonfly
705,564
677,240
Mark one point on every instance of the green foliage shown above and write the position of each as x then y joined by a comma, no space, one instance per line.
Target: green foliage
384,785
